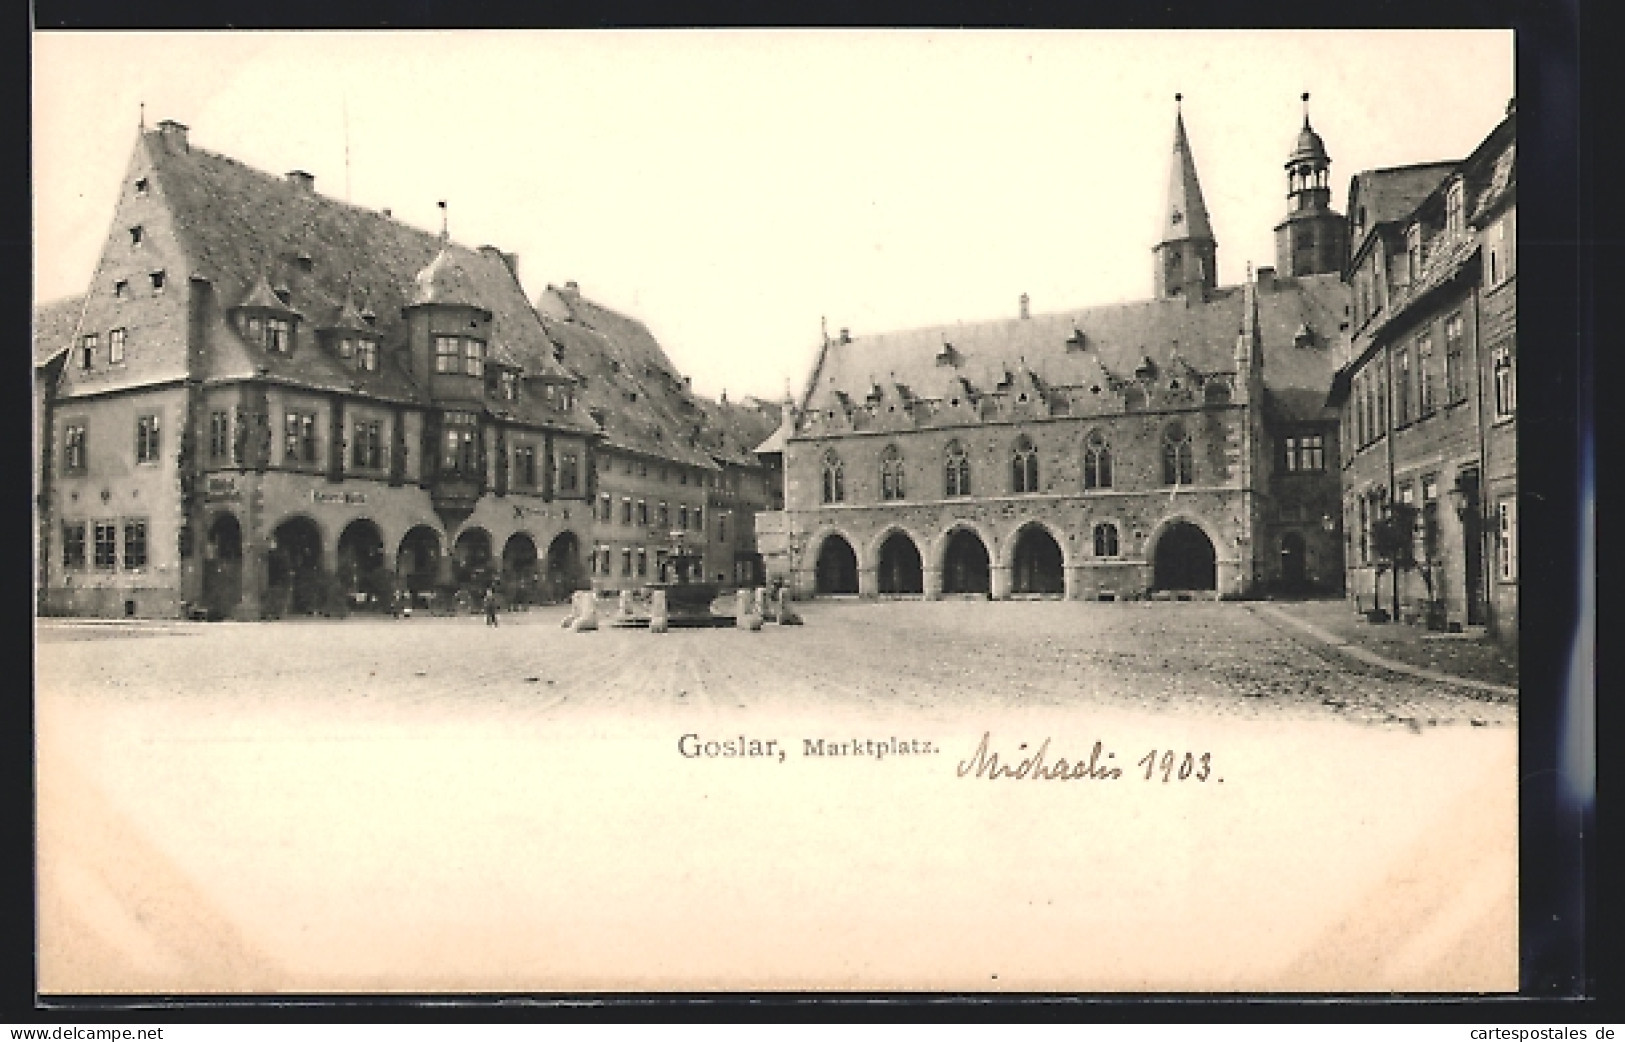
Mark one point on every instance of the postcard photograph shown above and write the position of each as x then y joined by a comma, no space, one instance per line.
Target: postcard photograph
650,511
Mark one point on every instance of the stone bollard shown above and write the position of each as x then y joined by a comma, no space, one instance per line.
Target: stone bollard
760,604
586,612
786,616
658,619
624,608
569,620
743,605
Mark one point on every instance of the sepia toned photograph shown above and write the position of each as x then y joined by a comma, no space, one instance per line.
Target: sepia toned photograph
744,510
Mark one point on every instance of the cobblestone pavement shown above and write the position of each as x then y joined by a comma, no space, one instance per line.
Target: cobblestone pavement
432,804
1474,656
1165,657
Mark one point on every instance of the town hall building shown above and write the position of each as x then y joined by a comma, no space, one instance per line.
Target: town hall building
1179,446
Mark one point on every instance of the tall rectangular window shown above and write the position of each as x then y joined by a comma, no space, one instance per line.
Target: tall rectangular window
1379,424
1291,460
643,514
146,439
1498,253
1364,530
106,545
1359,397
299,436
1506,383
446,354
87,351
461,451
1455,376
115,347
474,357
75,446
664,516
73,544
219,435
1506,539
643,561
366,445
1402,387
569,472
1453,208
626,511
682,517
1424,376
626,561
366,355
606,509
524,465
135,544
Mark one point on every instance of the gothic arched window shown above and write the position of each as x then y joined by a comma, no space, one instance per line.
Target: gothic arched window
1097,462
956,472
1024,466
834,479
891,473
1106,540
1178,458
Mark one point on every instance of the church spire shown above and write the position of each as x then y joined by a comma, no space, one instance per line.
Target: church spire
1186,257
1187,216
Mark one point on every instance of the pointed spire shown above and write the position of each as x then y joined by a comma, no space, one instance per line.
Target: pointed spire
1248,343
1187,216
445,222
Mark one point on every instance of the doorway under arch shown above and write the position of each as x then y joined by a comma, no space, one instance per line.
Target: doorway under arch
417,562
294,567
965,564
837,568
1185,559
223,566
471,559
361,572
900,568
564,571
1038,565
521,569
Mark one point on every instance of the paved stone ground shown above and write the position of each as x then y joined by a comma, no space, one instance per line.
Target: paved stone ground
1165,657
432,804
1475,657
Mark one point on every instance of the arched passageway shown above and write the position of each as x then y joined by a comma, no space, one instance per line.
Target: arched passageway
471,559
417,562
361,572
837,569
900,569
521,570
965,564
564,570
1038,563
223,566
1185,559
294,581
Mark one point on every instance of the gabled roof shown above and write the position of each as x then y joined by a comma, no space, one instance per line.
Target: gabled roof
1117,339
627,382
1388,196
54,326
242,227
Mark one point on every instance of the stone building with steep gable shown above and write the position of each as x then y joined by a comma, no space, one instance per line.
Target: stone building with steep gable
1179,445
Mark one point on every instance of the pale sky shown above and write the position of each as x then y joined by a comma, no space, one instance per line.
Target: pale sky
729,188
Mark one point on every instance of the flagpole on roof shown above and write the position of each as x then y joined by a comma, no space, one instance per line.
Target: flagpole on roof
143,117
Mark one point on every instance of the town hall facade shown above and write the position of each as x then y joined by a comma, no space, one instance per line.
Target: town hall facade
1178,446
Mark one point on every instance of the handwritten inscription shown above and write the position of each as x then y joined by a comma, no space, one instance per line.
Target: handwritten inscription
1040,765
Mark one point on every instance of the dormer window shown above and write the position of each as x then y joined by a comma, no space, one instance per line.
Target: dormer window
366,355
278,335
346,347
141,186
1453,209
157,279
136,235
508,385
459,354
121,289
1414,254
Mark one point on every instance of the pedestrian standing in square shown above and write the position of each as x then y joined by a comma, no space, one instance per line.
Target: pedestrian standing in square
491,605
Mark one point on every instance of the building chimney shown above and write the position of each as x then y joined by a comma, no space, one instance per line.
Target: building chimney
387,212
302,181
846,335
174,135
1025,300
1266,277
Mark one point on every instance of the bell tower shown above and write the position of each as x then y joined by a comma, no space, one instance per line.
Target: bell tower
1313,239
1185,261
